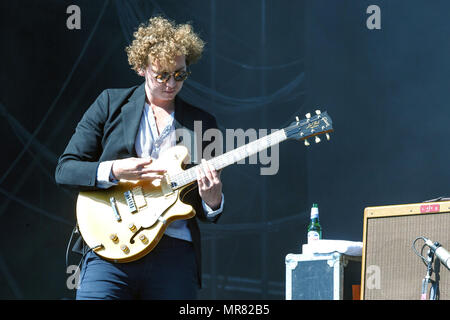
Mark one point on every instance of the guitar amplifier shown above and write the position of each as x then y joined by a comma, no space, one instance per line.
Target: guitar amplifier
391,267
322,276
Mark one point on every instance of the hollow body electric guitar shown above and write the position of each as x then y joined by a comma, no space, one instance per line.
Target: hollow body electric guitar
125,222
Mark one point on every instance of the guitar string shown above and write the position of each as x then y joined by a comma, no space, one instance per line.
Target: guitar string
187,176
229,158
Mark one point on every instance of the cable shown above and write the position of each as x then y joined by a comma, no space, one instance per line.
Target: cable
85,253
200,94
80,263
53,105
256,227
68,245
34,208
424,260
250,67
194,90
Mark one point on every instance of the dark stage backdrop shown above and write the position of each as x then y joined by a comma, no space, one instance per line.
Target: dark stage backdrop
265,62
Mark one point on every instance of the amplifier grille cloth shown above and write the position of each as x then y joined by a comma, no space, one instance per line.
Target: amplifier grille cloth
389,247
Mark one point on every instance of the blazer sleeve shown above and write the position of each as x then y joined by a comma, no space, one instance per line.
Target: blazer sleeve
77,166
193,197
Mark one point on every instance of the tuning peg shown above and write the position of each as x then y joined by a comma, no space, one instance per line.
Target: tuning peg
317,139
318,112
328,136
307,143
308,115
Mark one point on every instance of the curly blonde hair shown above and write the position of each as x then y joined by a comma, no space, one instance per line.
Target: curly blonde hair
161,41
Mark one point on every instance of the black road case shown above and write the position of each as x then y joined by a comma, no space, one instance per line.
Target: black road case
321,276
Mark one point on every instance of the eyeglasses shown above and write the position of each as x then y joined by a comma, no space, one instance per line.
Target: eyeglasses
163,77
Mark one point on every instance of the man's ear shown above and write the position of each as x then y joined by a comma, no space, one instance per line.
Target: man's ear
141,72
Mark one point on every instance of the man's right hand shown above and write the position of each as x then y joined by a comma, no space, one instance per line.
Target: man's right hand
136,169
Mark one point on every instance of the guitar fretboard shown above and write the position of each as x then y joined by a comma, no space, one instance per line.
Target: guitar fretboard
187,176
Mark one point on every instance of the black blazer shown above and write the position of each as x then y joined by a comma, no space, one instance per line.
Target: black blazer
108,130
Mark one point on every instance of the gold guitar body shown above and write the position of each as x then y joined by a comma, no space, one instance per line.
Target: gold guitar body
125,222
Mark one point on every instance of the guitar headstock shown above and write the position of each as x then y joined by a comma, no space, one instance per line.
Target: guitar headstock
310,126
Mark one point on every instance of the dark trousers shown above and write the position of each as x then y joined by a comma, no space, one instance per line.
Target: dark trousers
168,272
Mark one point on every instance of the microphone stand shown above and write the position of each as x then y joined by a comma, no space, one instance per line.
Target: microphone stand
434,289
427,279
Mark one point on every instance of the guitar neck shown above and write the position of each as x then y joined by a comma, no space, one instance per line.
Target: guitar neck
190,175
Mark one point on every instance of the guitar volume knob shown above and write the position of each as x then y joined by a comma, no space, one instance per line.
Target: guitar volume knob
143,238
132,227
114,238
125,249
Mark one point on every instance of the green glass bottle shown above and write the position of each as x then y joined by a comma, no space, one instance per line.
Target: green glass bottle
314,228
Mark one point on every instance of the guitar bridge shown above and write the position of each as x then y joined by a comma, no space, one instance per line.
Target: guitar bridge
113,203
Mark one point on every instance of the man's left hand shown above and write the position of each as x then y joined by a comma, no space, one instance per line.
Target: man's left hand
209,185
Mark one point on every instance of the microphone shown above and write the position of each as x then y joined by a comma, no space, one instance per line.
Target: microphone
442,254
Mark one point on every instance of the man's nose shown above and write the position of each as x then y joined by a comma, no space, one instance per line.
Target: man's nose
171,83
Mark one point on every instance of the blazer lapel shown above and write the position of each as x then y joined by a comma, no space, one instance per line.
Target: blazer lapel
179,119
132,113
185,130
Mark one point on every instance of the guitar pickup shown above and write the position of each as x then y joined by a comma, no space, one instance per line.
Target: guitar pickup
130,201
139,198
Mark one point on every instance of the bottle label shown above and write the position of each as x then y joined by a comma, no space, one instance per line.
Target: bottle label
314,212
313,235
